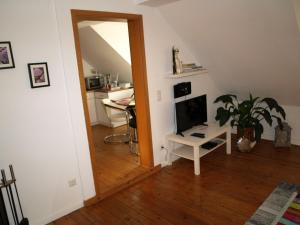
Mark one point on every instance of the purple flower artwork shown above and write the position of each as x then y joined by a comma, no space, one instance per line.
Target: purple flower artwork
38,74
6,56
3,55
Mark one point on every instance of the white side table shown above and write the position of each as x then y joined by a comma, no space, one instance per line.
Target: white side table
191,146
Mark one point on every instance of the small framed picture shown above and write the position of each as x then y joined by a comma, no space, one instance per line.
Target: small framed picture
38,74
6,56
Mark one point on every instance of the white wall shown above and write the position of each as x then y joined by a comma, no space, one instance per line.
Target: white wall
36,133
248,46
87,69
251,45
43,130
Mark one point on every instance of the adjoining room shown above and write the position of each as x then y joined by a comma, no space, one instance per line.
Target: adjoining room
106,63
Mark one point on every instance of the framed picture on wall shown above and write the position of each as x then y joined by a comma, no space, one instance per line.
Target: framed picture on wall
6,56
38,74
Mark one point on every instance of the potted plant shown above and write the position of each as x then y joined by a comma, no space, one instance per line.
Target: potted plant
247,115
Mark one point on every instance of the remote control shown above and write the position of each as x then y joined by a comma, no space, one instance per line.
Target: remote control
199,135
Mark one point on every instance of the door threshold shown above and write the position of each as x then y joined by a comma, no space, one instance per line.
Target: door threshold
122,185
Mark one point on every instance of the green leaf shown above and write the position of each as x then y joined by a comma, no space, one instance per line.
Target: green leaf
259,129
258,108
254,100
266,115
279,121
281,111
272,104
222,116
249,113
231,108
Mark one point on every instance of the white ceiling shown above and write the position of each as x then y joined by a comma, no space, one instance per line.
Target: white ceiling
247,45
154,3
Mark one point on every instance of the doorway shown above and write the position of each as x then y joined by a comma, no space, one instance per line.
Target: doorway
139,79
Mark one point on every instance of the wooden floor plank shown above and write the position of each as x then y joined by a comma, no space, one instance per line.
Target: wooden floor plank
227,192
115,164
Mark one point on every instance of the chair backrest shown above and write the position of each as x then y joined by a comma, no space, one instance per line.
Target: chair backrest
113,114
132,121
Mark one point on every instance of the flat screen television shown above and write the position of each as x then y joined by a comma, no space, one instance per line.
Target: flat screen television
191,112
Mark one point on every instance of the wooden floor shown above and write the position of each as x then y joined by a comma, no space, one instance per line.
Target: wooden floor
115,164
228,191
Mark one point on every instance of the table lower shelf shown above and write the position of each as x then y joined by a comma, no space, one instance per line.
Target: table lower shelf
187,152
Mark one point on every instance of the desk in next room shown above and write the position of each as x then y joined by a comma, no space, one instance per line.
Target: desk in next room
191,146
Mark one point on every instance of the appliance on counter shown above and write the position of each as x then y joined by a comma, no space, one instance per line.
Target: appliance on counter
94,82
125,85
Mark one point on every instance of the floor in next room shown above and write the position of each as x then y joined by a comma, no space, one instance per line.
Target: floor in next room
115,164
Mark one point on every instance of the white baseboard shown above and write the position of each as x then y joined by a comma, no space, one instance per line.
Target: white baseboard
58,214
94,123
296,141
165,163
270,136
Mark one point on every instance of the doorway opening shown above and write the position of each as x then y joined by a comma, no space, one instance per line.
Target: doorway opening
115,104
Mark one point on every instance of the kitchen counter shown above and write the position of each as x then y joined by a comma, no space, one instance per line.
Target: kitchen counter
104,90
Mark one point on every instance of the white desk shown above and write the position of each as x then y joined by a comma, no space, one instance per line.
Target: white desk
191,146
116,105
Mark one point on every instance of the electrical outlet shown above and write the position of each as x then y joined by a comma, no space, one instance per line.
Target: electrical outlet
72,182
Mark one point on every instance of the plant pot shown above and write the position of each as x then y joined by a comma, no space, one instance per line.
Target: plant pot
245,132
245,137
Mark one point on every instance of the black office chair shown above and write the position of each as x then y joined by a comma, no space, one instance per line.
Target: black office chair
133,125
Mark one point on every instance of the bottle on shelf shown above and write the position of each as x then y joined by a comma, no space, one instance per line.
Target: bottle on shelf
177,64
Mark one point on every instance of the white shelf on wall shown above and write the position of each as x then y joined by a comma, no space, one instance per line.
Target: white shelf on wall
194,73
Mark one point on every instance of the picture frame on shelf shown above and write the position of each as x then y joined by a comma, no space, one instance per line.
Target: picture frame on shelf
6,55
38,75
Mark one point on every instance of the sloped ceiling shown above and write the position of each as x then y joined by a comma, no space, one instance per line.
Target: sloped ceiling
247,45
98,53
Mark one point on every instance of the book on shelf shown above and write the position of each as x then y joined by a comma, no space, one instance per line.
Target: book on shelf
189,65
188,70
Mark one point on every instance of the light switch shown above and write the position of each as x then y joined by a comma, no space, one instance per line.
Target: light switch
158,95
72,182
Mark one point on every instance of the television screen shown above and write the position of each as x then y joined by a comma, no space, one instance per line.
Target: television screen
191,112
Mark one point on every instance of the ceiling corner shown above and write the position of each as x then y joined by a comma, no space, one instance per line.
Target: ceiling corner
154,3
